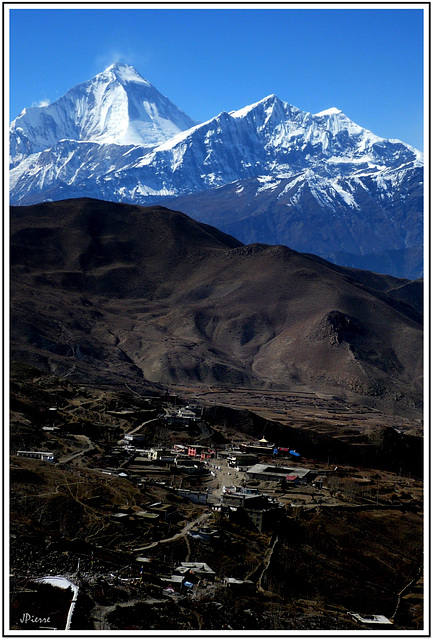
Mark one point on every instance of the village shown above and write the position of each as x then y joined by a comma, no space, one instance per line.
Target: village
199,493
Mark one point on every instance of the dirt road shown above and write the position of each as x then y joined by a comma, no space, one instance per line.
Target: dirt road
200,520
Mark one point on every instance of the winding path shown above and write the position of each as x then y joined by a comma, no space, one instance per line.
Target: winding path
266,562
140,426
177,536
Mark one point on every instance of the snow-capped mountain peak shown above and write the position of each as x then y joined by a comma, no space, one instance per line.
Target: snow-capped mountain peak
117,106
124,73
266,102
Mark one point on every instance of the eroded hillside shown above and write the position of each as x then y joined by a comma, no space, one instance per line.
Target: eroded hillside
118,292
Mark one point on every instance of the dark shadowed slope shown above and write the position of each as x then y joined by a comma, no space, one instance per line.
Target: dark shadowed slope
115,292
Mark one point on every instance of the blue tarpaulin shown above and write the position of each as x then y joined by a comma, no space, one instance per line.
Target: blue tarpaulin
294,453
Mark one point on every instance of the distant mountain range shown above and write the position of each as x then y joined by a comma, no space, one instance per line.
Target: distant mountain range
318,183
115,293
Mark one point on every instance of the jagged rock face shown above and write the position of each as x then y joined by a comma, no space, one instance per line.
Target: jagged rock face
338,328
266,173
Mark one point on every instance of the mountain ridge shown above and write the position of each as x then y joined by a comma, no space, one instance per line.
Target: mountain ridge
316,182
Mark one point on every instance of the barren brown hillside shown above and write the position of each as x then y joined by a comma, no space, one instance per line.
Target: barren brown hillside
115,292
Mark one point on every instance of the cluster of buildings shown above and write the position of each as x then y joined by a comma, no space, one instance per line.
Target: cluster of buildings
183,416
135,443
187,577
186,459
151,513
243,504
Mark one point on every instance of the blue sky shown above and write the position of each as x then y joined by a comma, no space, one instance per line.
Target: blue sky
367,62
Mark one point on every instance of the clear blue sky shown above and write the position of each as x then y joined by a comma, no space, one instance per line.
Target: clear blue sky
367,62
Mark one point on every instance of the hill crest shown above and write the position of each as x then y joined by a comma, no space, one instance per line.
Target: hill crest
120,290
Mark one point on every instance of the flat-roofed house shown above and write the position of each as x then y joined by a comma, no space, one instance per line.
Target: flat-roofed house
371,621
269,472
46,456
199,569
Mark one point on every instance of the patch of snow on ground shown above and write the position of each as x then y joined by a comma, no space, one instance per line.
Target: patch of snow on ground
265,178
267,182
268,186
290,185
347,197
365,159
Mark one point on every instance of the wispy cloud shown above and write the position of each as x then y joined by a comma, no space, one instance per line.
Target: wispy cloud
104,60
42,103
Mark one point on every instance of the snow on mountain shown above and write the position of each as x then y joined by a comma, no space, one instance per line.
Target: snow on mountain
329,112
116,107
269,137
117,138
365,221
